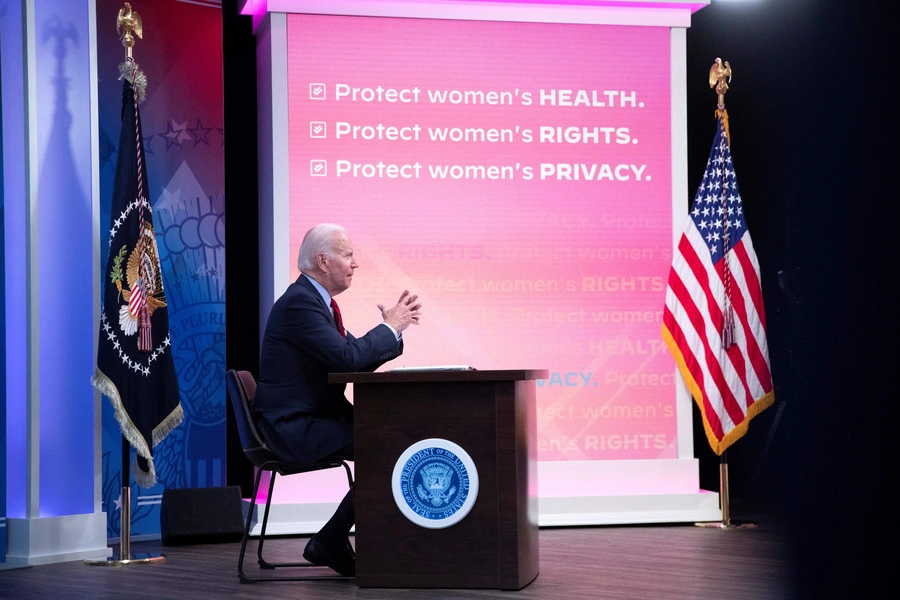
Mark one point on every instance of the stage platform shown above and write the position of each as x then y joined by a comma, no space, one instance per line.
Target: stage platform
620,562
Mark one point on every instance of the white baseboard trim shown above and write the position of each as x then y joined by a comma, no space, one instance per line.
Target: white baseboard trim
306,519
49,540
626,510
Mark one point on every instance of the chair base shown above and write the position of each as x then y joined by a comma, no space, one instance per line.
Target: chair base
327,574
265,565
244,578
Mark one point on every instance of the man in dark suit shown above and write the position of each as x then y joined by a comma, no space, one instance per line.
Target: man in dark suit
303,418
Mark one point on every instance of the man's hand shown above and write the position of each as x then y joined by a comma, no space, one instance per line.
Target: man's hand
403,314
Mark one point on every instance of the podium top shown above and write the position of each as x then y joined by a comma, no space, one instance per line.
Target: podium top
428,375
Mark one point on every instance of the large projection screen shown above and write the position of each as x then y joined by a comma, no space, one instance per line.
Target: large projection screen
520,177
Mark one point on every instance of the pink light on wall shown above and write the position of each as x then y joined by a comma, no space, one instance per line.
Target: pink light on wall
252,7
520,45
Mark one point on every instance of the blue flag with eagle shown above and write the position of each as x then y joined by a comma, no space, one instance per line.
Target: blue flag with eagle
134,368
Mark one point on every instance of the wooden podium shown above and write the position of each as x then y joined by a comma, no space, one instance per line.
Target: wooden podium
492,416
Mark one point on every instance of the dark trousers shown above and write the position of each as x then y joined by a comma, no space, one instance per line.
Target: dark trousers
335,533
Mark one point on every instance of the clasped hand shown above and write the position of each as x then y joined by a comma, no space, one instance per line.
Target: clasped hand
403,314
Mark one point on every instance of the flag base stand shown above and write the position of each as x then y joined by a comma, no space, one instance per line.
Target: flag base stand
728,525
124,556
726,522
114,561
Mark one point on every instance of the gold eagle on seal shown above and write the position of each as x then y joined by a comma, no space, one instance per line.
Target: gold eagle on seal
144,279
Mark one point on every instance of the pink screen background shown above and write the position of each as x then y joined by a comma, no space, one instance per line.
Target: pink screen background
515,272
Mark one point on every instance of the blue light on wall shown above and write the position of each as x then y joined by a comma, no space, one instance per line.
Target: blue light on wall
65,258
14,190
2,346
48,256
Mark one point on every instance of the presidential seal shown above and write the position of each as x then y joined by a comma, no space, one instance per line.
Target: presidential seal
435,483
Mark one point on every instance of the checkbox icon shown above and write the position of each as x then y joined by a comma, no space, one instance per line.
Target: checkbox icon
317,129
317,91
318,168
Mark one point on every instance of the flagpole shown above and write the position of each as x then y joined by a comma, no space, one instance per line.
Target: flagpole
725,502
124,556
125,520
719,78
128,25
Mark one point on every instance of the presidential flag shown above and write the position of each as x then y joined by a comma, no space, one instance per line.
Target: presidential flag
134,359
714,322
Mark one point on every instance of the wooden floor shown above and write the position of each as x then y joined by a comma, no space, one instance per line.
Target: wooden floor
634,562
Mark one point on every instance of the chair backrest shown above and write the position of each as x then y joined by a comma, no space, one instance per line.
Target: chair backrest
242,390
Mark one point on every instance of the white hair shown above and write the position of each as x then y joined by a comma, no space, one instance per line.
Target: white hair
320,238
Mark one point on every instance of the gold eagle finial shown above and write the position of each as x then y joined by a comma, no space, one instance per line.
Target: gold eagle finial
719,78
127,23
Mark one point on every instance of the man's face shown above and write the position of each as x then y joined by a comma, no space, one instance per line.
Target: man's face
339,267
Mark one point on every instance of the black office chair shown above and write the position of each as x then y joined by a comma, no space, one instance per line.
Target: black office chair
242,390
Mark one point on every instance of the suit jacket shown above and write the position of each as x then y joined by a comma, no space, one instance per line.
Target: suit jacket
301,416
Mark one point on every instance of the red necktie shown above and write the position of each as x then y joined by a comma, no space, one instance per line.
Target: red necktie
337,317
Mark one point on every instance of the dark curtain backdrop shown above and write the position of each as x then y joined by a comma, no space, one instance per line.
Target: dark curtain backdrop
811,141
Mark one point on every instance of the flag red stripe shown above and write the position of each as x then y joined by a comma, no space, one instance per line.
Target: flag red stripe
694,368
754,352
690,359
745,353
699,270
686,314
736,353
720,393
747,256
756,336
736,366
698,267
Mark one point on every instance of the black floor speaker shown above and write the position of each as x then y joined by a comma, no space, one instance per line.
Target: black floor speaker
201,515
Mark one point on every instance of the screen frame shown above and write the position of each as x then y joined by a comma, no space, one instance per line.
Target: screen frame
572,492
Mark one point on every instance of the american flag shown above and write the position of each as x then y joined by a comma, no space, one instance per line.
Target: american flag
714,322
